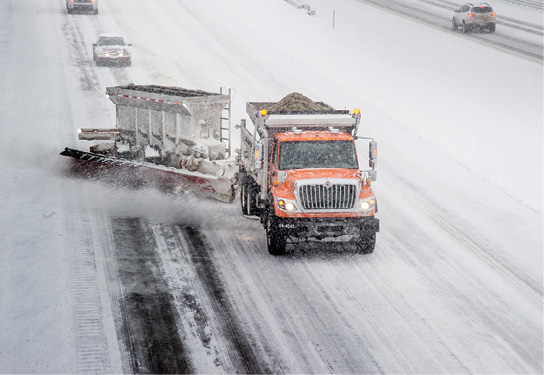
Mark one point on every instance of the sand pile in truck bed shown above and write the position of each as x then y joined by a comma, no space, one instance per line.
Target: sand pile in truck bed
298,102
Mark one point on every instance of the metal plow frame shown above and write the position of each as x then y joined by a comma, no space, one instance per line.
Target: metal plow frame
149,174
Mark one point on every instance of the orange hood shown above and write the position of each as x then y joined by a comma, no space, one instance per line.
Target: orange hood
305,174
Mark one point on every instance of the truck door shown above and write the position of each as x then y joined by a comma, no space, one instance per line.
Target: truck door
273,168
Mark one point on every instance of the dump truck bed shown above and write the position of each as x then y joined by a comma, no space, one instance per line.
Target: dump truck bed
279,120
164,98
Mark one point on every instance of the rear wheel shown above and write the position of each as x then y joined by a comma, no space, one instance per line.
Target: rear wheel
366,242
248,199
243,198
454,24
275,240
491,28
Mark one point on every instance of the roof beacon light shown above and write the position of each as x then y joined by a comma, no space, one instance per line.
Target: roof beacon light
263,112
356,111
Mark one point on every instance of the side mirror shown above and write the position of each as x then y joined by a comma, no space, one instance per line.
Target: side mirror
94,44
129,44
372,175
258,156
373,154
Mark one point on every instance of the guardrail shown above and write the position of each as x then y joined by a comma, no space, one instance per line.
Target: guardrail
536,4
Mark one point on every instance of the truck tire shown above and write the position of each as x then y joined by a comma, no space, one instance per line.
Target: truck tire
247,197
243,198
366,242
275,240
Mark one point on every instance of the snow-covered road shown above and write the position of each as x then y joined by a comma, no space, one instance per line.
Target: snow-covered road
94,277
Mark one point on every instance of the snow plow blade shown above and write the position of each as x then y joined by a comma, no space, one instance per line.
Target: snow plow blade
142,174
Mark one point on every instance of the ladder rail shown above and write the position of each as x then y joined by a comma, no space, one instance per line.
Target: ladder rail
225,126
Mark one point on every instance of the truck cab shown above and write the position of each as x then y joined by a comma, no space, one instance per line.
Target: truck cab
317,172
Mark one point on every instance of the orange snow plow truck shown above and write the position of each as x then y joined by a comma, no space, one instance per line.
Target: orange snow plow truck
299,171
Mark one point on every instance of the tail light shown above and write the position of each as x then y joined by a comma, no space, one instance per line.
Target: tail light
470,15
493,14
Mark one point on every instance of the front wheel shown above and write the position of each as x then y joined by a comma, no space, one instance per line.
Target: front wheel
366,242
465,27
275,240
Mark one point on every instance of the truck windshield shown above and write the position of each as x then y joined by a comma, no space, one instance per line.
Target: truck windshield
317,154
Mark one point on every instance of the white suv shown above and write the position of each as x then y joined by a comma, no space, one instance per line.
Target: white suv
471,16
87,5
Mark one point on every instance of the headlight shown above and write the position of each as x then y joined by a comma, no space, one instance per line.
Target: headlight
286,205
367,204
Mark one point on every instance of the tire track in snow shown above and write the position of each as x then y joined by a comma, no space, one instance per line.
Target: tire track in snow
506,327
297,323
149,326
90,342
241,351
196,324
78,51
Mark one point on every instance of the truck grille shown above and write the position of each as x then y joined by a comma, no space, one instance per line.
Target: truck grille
323,197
